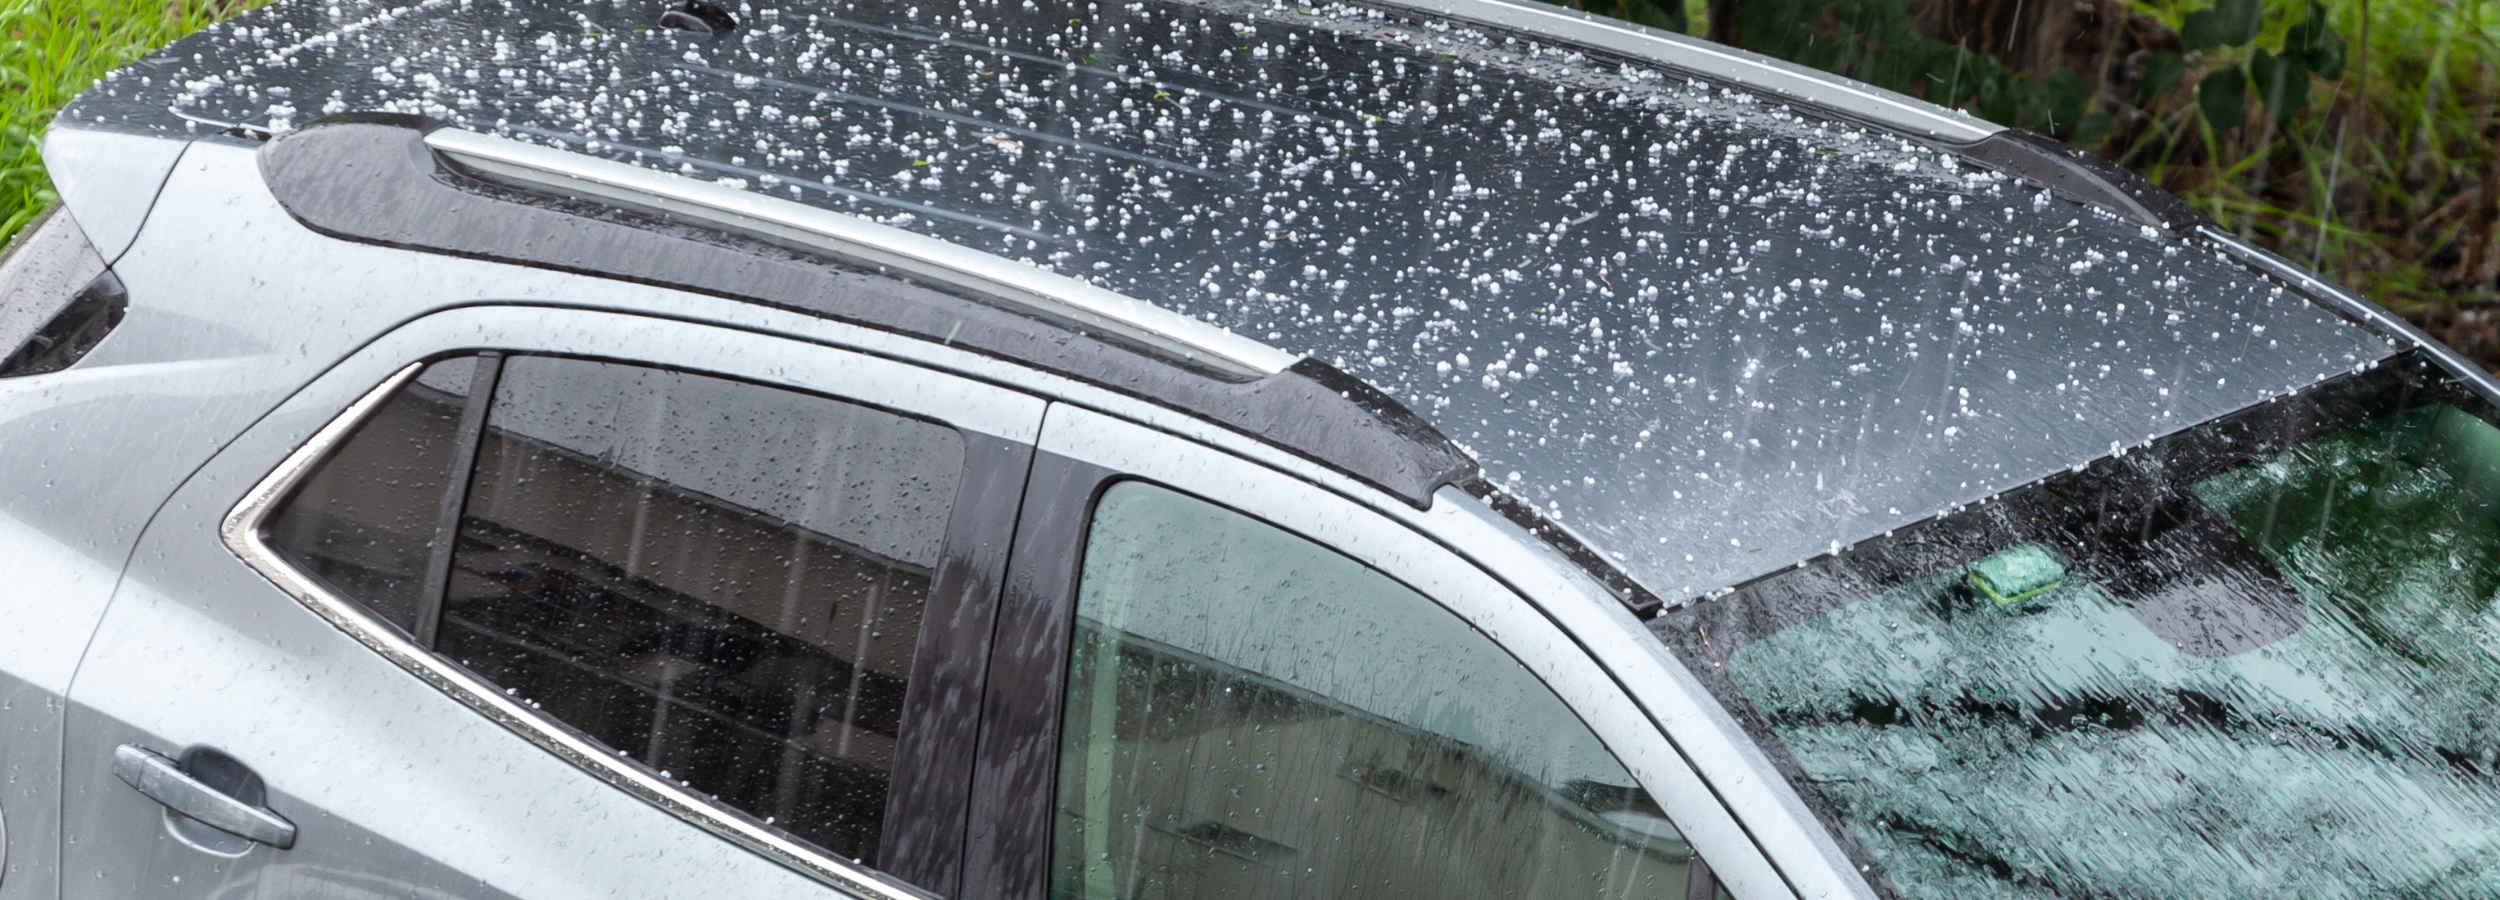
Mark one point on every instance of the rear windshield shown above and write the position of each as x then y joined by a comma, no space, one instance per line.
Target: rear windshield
2261,657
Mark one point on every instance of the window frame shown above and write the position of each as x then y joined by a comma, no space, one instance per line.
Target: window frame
929,783
1082,453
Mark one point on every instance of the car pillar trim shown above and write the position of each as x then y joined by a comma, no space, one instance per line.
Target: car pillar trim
852,237
241,531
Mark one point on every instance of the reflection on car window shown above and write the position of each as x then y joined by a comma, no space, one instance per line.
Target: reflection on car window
365,520
719,580
1251,715
2257,658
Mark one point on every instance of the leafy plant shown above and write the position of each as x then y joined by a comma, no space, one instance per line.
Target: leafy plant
2359,136
2230,23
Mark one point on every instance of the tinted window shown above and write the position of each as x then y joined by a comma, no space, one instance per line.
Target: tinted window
2259,658
719,580
365,521
1252,715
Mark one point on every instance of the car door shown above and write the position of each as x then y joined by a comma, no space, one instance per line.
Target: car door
1217,678
531,602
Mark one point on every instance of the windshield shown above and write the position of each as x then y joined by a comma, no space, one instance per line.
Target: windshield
2258,657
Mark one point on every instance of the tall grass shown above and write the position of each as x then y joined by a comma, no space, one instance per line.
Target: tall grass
2387,180
52,49
2385,176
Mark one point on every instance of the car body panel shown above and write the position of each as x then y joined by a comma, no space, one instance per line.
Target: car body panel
109,178
397,788
1694,428
184,274
183,264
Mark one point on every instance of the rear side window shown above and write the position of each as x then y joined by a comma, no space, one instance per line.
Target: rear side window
366,521
720,580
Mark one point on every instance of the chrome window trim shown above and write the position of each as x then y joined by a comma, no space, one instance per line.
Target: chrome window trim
1751,71
852,237
241,531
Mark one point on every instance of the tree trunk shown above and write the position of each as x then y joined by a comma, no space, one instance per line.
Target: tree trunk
1723,27
2022,33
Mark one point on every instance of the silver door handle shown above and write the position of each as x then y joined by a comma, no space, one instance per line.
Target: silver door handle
162,780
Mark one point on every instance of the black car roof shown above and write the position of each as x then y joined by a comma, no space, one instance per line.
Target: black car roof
1712,333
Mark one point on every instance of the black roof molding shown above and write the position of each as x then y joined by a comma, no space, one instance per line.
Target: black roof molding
2082,175
370,178
1644,604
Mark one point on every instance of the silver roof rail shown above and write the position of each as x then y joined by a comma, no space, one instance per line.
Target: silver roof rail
1811,87
861,240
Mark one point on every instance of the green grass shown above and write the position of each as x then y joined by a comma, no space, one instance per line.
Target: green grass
52,49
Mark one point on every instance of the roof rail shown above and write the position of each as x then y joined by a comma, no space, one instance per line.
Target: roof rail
405,181
1752,71
855,238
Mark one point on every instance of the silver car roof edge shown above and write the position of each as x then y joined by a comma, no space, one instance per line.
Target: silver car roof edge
1820,90
860,239
2342,301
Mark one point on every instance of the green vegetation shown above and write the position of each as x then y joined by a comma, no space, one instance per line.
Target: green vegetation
52,49
2359,136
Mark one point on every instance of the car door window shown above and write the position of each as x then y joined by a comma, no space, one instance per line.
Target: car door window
1250,714
719,580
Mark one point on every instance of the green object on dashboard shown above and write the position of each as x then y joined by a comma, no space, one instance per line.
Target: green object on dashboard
2011,576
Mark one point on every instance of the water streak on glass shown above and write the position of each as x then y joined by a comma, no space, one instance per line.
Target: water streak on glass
721,581
2259,658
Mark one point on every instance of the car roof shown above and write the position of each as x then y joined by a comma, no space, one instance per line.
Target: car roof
1712,331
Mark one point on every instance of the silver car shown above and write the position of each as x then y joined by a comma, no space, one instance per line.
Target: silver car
1177,448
